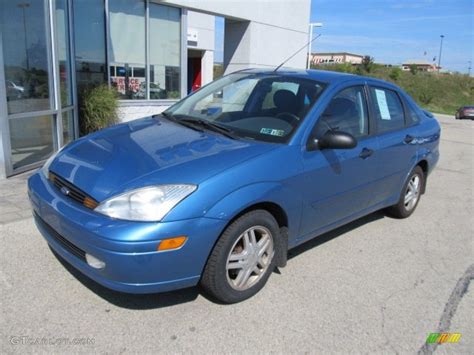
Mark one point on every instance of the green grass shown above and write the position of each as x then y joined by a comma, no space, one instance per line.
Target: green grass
440,93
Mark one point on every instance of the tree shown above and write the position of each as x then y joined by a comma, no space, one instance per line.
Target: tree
413,69
367,63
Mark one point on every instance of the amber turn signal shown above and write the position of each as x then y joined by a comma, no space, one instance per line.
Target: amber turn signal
90,203
172,243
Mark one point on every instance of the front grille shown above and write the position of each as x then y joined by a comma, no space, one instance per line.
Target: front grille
66,244
72,191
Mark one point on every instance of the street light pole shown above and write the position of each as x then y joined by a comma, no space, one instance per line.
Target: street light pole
23,6
310,42
440,52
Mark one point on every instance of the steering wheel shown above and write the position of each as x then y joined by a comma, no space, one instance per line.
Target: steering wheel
293,119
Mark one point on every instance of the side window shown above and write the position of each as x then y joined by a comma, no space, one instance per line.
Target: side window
388,109
413,117
347,112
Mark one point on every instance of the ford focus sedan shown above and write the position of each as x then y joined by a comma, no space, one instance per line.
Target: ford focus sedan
216,189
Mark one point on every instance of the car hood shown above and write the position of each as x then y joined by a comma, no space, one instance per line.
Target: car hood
149,151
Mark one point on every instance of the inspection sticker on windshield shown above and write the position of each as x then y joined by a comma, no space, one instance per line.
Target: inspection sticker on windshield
273,132
382,103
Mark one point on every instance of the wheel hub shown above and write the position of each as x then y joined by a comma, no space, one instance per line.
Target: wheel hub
249,258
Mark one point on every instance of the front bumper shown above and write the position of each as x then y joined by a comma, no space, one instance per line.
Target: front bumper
129,249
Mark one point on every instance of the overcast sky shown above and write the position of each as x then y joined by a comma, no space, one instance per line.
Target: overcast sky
392,31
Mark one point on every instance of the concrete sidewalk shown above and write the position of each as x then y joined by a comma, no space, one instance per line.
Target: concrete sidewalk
14,204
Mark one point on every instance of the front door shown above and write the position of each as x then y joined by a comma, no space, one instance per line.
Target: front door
337,182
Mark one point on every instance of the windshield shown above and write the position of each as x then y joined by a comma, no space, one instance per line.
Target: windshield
266,106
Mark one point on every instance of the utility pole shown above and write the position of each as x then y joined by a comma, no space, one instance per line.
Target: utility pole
23,6
440,52
469,69
310,42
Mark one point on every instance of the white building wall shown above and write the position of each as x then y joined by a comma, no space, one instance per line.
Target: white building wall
203,26
262,33
207,69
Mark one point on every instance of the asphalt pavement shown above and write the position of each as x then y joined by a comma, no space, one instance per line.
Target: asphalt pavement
377,285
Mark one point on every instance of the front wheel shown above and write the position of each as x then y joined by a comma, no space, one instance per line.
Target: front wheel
243,258
410,195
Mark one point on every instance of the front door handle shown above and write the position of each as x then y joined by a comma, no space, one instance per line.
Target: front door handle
365,153
408,139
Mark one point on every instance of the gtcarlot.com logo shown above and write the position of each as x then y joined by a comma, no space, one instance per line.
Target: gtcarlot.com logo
441,338
52,341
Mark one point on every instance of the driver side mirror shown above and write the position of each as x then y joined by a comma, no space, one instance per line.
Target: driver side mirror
333,140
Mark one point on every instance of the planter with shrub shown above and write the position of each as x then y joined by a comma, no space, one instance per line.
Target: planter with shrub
97,108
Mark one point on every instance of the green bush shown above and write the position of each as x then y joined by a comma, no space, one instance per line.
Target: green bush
97,108
395,74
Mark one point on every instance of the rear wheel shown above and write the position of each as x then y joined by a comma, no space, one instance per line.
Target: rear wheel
410,195
243,258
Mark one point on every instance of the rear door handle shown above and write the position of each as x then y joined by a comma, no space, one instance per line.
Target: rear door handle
408,139
365,153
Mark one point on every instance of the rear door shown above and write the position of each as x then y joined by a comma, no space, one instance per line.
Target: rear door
396,136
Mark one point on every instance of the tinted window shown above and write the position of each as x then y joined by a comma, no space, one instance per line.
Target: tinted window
346,112
388,109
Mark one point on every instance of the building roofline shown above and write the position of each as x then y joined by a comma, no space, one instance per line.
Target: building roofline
338,53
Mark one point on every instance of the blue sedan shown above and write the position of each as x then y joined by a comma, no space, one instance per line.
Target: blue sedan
216,189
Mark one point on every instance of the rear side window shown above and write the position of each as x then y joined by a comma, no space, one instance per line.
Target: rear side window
413,117
388,109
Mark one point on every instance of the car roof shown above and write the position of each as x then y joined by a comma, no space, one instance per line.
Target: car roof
326,76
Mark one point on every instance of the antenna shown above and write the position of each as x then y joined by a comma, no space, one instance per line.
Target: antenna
299,50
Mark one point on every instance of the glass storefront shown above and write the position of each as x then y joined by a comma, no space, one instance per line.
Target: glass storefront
32,139
38,80
127,48
25,55
51,50
165,53
89,43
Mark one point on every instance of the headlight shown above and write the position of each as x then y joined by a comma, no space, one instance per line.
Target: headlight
148,204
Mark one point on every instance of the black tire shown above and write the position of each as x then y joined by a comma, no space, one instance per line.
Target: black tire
215,279
401,210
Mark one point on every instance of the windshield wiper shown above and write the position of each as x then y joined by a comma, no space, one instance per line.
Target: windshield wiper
184,123
210,126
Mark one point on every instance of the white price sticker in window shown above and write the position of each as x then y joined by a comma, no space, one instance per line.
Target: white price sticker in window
382,103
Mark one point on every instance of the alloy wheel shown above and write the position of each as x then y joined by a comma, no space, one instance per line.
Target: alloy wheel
413,192
249,258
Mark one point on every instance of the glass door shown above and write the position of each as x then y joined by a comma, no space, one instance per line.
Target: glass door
38,99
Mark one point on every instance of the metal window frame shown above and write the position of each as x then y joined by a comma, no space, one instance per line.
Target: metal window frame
5,149
52,111
147,50
72,66
55,111
182,59
184,53
58,121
